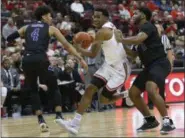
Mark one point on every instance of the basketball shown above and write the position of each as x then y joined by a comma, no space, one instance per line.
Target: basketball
84,38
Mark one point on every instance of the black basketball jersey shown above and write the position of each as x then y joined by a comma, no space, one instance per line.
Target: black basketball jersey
151,49
37,38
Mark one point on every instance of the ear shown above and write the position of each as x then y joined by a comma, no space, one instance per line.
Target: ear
143,16
43,17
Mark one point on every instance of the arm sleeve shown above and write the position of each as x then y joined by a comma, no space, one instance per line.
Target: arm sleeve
13,36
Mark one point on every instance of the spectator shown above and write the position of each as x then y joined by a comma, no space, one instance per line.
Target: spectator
158,23
170,28
77,10
77,7
10,79
175,11
88,6
58,20
61,63
9,28
50,51
16,57
165,6
124,13
66,26
54,65
70,95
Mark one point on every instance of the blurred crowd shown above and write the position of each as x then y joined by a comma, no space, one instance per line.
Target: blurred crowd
70,17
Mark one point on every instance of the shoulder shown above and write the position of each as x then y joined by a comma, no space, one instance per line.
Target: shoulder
2,71
103,33
147,25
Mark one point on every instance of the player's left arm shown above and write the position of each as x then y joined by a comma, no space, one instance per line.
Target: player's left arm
17,34
138,39
96,45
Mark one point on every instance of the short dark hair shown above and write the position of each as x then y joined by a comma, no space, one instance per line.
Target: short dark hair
103,11
40,11
147,12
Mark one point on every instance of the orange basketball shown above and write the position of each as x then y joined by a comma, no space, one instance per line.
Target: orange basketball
84,38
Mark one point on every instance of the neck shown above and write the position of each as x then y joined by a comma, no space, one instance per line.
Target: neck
105,22
42,21
142,22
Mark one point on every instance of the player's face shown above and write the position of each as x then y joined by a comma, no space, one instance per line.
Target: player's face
98,19
47,18
137,16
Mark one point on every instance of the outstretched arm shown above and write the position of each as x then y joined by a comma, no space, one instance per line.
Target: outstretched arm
138,39
55,32
119,37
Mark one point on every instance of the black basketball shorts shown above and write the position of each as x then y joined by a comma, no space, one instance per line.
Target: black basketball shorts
157,73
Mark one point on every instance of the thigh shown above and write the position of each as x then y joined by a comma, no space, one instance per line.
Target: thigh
103,73
140,80
116,81
98,82
46,73
44,68
29,70
159,72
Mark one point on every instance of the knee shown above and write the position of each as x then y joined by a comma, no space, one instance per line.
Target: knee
90,90
151,88
134,92
103,100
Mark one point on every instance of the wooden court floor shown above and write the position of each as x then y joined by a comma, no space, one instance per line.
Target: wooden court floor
113,123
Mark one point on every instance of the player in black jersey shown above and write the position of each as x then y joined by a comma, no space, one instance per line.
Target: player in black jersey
156,68
35,62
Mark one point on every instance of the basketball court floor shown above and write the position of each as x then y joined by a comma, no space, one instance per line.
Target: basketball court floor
120,122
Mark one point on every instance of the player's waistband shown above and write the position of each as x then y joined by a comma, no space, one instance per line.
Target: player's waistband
125,61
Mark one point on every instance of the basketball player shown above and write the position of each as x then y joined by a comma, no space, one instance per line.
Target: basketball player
35,62
111,75
157,68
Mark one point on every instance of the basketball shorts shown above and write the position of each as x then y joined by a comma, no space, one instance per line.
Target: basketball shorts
157,73
111,76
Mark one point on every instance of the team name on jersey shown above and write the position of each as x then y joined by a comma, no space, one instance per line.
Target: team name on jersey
37,25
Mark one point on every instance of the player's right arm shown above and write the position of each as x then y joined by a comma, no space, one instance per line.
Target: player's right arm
96,45
17,34
130,53
55,32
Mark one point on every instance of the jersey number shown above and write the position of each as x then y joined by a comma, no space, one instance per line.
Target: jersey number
35,34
